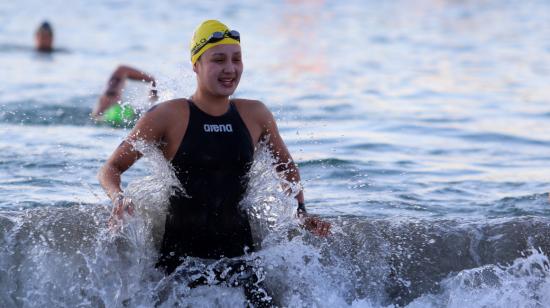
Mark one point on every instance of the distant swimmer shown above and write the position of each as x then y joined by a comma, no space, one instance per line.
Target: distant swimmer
43,38
210,140
109,108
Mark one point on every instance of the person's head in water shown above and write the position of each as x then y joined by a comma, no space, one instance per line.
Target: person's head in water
216,58
44,37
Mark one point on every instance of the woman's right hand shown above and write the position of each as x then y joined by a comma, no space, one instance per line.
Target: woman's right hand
121,204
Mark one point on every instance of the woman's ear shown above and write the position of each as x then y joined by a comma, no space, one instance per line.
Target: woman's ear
195,66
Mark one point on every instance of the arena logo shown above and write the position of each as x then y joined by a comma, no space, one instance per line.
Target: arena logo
218,128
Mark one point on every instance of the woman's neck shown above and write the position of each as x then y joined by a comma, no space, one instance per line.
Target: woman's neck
213,105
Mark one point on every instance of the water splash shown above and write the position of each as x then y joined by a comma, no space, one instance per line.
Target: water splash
67,256
300,268
269,199
524,283
151,194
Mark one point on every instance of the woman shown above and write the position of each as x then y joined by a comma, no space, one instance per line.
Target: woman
109,108
43,38
210,140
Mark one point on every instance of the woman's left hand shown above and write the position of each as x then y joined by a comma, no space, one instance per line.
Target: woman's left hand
315,225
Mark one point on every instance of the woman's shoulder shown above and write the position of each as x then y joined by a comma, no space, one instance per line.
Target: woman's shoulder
164,114
169,107
254,110
250,105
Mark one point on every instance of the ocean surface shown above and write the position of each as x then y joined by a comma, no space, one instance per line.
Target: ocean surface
421,129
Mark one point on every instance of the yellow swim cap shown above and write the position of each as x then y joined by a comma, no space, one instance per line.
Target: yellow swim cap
208,34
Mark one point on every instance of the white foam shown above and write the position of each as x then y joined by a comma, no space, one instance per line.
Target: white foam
524,283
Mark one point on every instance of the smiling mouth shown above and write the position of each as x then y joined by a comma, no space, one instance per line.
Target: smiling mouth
227,82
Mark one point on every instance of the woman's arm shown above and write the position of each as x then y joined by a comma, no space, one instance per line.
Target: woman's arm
150,128
286,165
113,92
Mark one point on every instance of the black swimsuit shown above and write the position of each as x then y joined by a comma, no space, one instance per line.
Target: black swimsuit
211,163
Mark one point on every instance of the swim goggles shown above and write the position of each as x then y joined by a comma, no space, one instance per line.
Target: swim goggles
216,37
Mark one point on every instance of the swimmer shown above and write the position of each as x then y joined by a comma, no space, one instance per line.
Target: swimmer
210,140
43,38
109,109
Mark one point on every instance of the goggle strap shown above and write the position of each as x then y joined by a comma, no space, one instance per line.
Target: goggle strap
233,34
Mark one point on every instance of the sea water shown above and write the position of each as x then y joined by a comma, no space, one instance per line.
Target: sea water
421,130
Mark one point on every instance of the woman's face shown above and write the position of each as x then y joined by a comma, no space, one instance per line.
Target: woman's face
219,70
43,40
